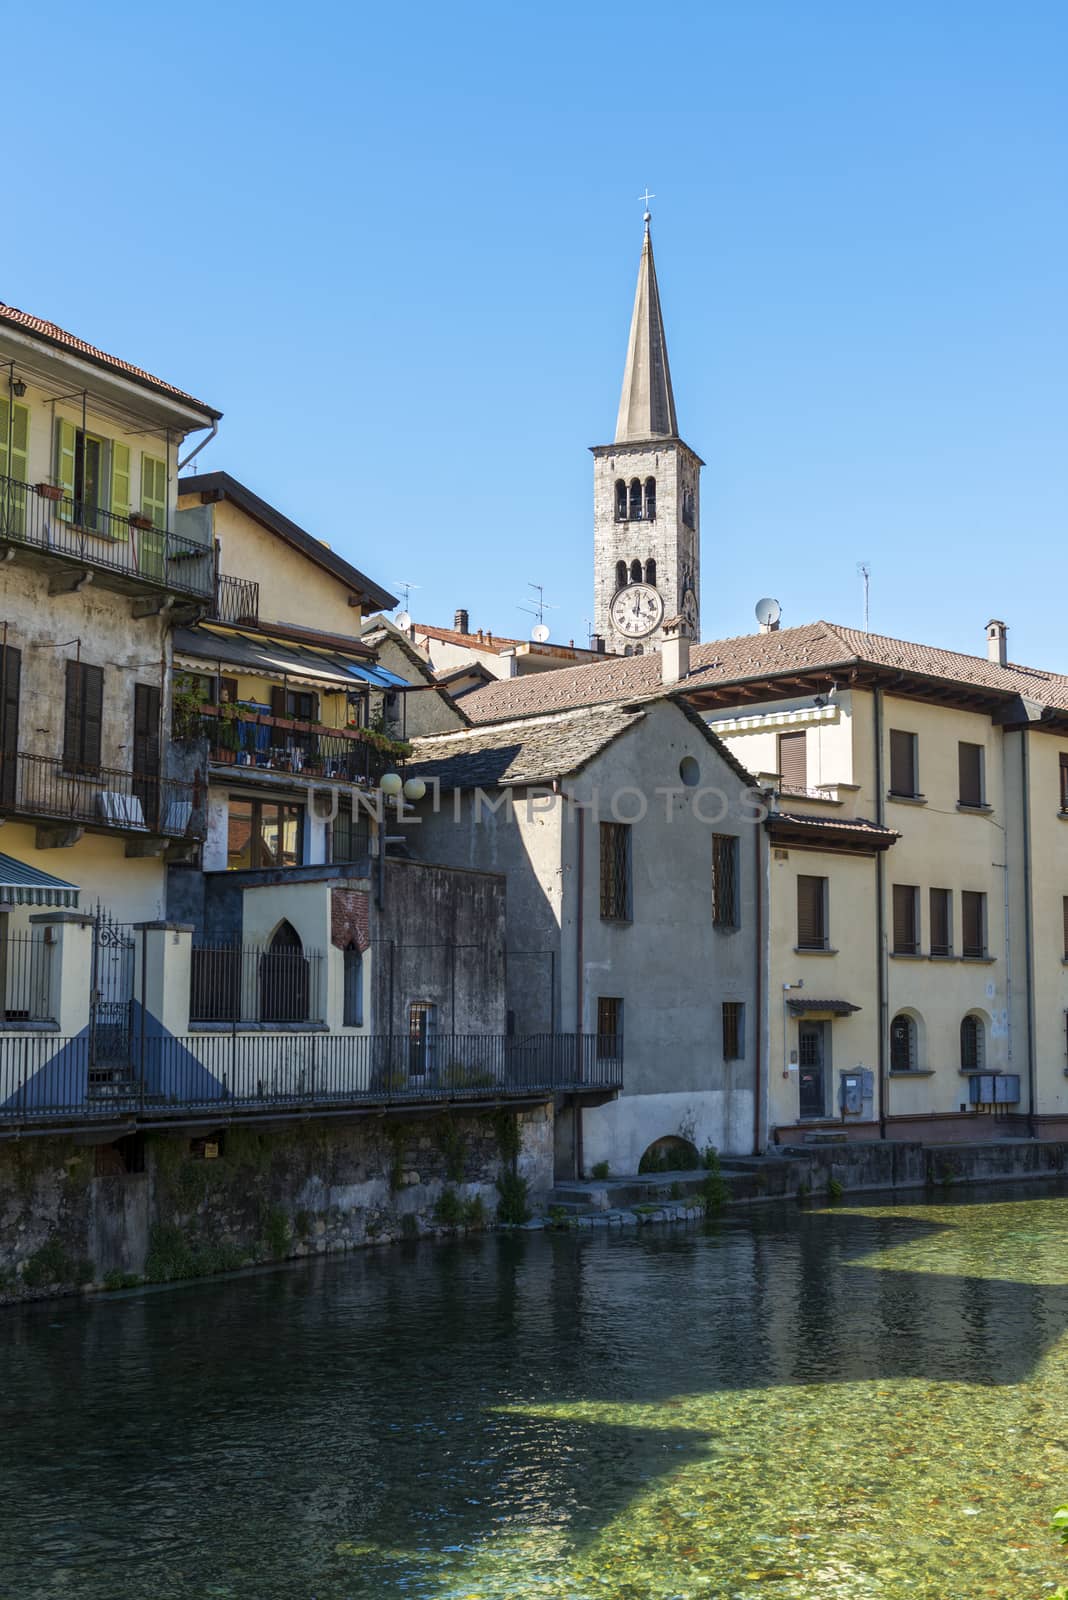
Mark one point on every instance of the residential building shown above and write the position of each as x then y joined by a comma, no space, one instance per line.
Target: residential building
455,652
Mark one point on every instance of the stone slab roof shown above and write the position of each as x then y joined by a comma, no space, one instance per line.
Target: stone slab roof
755,656
861,826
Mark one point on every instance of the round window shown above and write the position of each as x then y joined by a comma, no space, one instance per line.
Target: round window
689,772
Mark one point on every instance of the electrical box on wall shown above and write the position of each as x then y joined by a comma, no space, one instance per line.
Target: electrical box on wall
994,1089
856,1093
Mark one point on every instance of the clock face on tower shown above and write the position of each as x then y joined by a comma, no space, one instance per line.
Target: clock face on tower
637,610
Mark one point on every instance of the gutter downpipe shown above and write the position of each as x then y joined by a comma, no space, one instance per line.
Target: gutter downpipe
758,1131
580,876
880,928
181,465
1029,964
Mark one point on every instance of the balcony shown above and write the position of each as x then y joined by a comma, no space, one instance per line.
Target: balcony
307,749
236,599
107,798
126,553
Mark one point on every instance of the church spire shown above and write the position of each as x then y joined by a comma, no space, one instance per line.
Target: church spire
646,405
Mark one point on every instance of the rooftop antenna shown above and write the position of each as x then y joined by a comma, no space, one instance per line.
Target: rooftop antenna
864,574
402,583
537,608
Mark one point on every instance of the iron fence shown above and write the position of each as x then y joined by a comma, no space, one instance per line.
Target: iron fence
44,1078
267,743
25,979
114,797
255,983
236,599
36,514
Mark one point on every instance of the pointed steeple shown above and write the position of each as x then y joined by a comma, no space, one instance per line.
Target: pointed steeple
646,405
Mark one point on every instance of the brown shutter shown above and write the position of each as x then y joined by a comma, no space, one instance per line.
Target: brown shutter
971,906
1065,914
228,690
278,701
793,764
940,942
1064,782
904,919
811,932
970,770
72,717
902,762
146,730
11,672
92,714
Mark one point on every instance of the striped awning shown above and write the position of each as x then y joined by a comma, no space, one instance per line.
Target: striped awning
22,885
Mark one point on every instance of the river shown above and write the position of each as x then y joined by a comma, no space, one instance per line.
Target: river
862,1402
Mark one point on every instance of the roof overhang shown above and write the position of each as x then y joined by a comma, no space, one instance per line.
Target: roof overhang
837,834
833,1008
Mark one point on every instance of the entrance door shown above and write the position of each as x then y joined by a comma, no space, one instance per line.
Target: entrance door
811,1056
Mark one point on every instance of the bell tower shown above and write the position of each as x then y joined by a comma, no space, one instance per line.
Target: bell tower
646,495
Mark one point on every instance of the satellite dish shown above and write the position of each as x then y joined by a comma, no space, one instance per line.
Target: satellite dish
540,632
768,611
403,621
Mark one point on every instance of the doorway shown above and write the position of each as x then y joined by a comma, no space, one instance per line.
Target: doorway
812,1068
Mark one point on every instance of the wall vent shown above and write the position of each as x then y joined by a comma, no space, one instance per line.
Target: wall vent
782,855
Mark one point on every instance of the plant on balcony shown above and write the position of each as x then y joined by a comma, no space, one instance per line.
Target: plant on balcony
138,519
49,491
185,708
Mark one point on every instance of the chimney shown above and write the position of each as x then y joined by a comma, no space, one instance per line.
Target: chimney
997,642
461,621
597,643
770,627
675,651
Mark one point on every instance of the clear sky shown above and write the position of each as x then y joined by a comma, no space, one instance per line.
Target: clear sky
397,245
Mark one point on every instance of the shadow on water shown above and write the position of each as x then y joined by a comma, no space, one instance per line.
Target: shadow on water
362,1426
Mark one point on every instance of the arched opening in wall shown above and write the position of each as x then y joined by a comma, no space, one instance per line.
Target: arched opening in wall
635,500
621,574
650,499
284,977
688,507
670,1154
903,1056
972,1043
639,649
628,649
621,500
650,572
352,987
635,571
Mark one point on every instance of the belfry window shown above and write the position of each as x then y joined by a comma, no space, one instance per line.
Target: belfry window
621,574
688,507
621,500
635,500
650,572
650,499
635,571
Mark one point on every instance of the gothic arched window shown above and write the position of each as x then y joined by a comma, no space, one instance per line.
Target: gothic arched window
284,978
635,500
650,499
650,572
621,500
621,574
635,571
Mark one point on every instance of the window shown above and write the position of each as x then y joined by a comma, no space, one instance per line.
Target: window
621,574
10,674
973,923
422,1035
609,1028
83,716
14,464
635,571
146,747
264,833
903,764
906,919
970,768
811,913
902,1044
650,572
284,978
300,704
688,507
971,1044
154,490
615,871
349,833
1064,913
724,880
650,499
352,986
94,474
621,500
941,922
733,1030
635,508
793,762
1064,781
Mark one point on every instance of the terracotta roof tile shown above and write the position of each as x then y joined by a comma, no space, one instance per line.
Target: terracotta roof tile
53,334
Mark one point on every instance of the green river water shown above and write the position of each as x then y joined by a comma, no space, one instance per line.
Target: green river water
866,1402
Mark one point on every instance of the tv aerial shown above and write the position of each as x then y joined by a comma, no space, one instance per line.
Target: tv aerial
768,612
537,608
406,589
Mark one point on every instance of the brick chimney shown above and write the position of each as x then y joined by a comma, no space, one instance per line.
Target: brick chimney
997,642
461,621
675,651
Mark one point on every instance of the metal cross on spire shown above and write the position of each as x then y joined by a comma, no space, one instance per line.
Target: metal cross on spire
645,199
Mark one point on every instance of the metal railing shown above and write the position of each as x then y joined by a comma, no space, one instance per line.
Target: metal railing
25,980
255,984
236,599
110,797
273,744
44,1078
35,514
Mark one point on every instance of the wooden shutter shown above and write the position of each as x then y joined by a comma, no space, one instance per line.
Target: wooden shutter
902,762
904,919
793,762
83,715
64,468
154,490
1064,781
120,484
970,770
14,420
72,717
10,672
146,729
228,690
940,940
278,700
811,928
1065,915
971,907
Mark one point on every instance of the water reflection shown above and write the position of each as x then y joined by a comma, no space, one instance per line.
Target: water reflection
869,1403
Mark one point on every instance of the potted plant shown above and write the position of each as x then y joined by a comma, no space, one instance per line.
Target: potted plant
138,519
49,491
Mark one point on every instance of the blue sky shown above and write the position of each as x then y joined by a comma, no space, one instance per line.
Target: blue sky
397,247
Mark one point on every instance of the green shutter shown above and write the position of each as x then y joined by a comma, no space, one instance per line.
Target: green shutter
154,490
64,469
16,423
120,481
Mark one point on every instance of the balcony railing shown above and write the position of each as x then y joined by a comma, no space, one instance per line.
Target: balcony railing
280,744
44,518
255,984
25,980
236,599
109,797
44,1077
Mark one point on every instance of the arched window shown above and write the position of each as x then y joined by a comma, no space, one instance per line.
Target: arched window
687,507
284,978
902,1044
628,649
639,649
650,572
621,574
635,500
635,571
650,499
971,1044
621,500
352,1014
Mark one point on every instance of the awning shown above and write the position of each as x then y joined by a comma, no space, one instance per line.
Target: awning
271,658
838,1008
22,885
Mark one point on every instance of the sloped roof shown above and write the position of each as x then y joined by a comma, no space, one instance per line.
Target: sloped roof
509,754
51,333
753,656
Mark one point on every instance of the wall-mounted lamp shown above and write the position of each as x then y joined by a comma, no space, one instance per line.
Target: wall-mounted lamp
18,388
391,784
414,789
